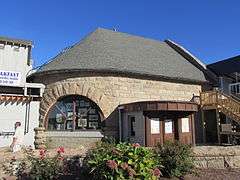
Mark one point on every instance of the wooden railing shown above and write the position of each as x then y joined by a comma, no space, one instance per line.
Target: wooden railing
234,90
226,104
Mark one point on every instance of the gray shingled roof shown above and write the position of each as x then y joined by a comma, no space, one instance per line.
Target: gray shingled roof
106,50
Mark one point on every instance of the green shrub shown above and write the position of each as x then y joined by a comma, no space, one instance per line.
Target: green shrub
176,158
122,161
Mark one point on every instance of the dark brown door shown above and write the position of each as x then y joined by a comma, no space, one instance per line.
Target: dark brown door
155,131
168,130
185,135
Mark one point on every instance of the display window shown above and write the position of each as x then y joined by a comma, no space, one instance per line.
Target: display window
74,113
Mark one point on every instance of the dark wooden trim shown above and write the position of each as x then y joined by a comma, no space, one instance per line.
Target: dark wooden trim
161,131
15,98
193,129
147,131
161,106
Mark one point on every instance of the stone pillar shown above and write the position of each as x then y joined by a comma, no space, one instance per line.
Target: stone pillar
40,138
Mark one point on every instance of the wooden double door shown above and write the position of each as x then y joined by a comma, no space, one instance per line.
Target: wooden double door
159,131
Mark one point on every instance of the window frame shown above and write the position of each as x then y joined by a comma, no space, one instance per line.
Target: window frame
73,102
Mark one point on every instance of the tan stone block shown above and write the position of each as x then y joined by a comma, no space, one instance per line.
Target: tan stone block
85,89
60,90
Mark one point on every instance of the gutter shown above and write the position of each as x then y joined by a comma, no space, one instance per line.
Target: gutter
115,72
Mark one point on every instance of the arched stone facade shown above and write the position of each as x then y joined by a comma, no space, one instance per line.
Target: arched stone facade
58,90
109,91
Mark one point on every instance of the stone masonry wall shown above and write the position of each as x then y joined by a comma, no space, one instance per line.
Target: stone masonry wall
110,91
217,157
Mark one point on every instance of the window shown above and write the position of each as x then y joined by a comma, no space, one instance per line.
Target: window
168,124
185,125
74,113
155,126
16,48
132,125
2,46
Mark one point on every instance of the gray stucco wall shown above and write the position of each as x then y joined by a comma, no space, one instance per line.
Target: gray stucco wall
139,128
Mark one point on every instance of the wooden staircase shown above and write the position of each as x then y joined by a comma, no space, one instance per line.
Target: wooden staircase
223,103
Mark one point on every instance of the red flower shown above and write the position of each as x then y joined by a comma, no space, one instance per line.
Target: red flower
136,145
42,153
111,164
124,166
60,150
157,172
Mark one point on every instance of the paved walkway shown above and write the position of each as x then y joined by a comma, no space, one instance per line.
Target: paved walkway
216,174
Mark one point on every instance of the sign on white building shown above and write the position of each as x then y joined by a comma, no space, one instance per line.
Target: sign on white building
10,78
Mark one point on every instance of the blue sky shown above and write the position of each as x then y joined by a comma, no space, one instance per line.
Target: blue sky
207,28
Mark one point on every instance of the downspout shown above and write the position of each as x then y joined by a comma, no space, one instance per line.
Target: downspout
28,118
26,113
25,119
120,108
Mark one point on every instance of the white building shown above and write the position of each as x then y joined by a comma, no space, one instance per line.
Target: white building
19,100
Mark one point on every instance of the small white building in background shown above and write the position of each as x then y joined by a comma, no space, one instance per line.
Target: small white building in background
19,100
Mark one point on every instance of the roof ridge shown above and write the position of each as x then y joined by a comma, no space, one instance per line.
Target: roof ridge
191,58
181,50
132,35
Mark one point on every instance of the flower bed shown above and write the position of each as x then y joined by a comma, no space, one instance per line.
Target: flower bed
106,161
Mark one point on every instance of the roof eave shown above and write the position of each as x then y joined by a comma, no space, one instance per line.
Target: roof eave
16,41
117,72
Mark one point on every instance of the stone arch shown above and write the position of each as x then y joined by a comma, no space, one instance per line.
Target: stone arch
54,92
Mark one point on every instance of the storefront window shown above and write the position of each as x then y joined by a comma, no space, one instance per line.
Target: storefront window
155,126
185,125
74,113
168,126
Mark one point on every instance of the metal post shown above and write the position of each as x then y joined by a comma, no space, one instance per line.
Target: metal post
218,126
120,108
203,126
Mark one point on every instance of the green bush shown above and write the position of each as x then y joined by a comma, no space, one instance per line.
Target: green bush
176,158
122,161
